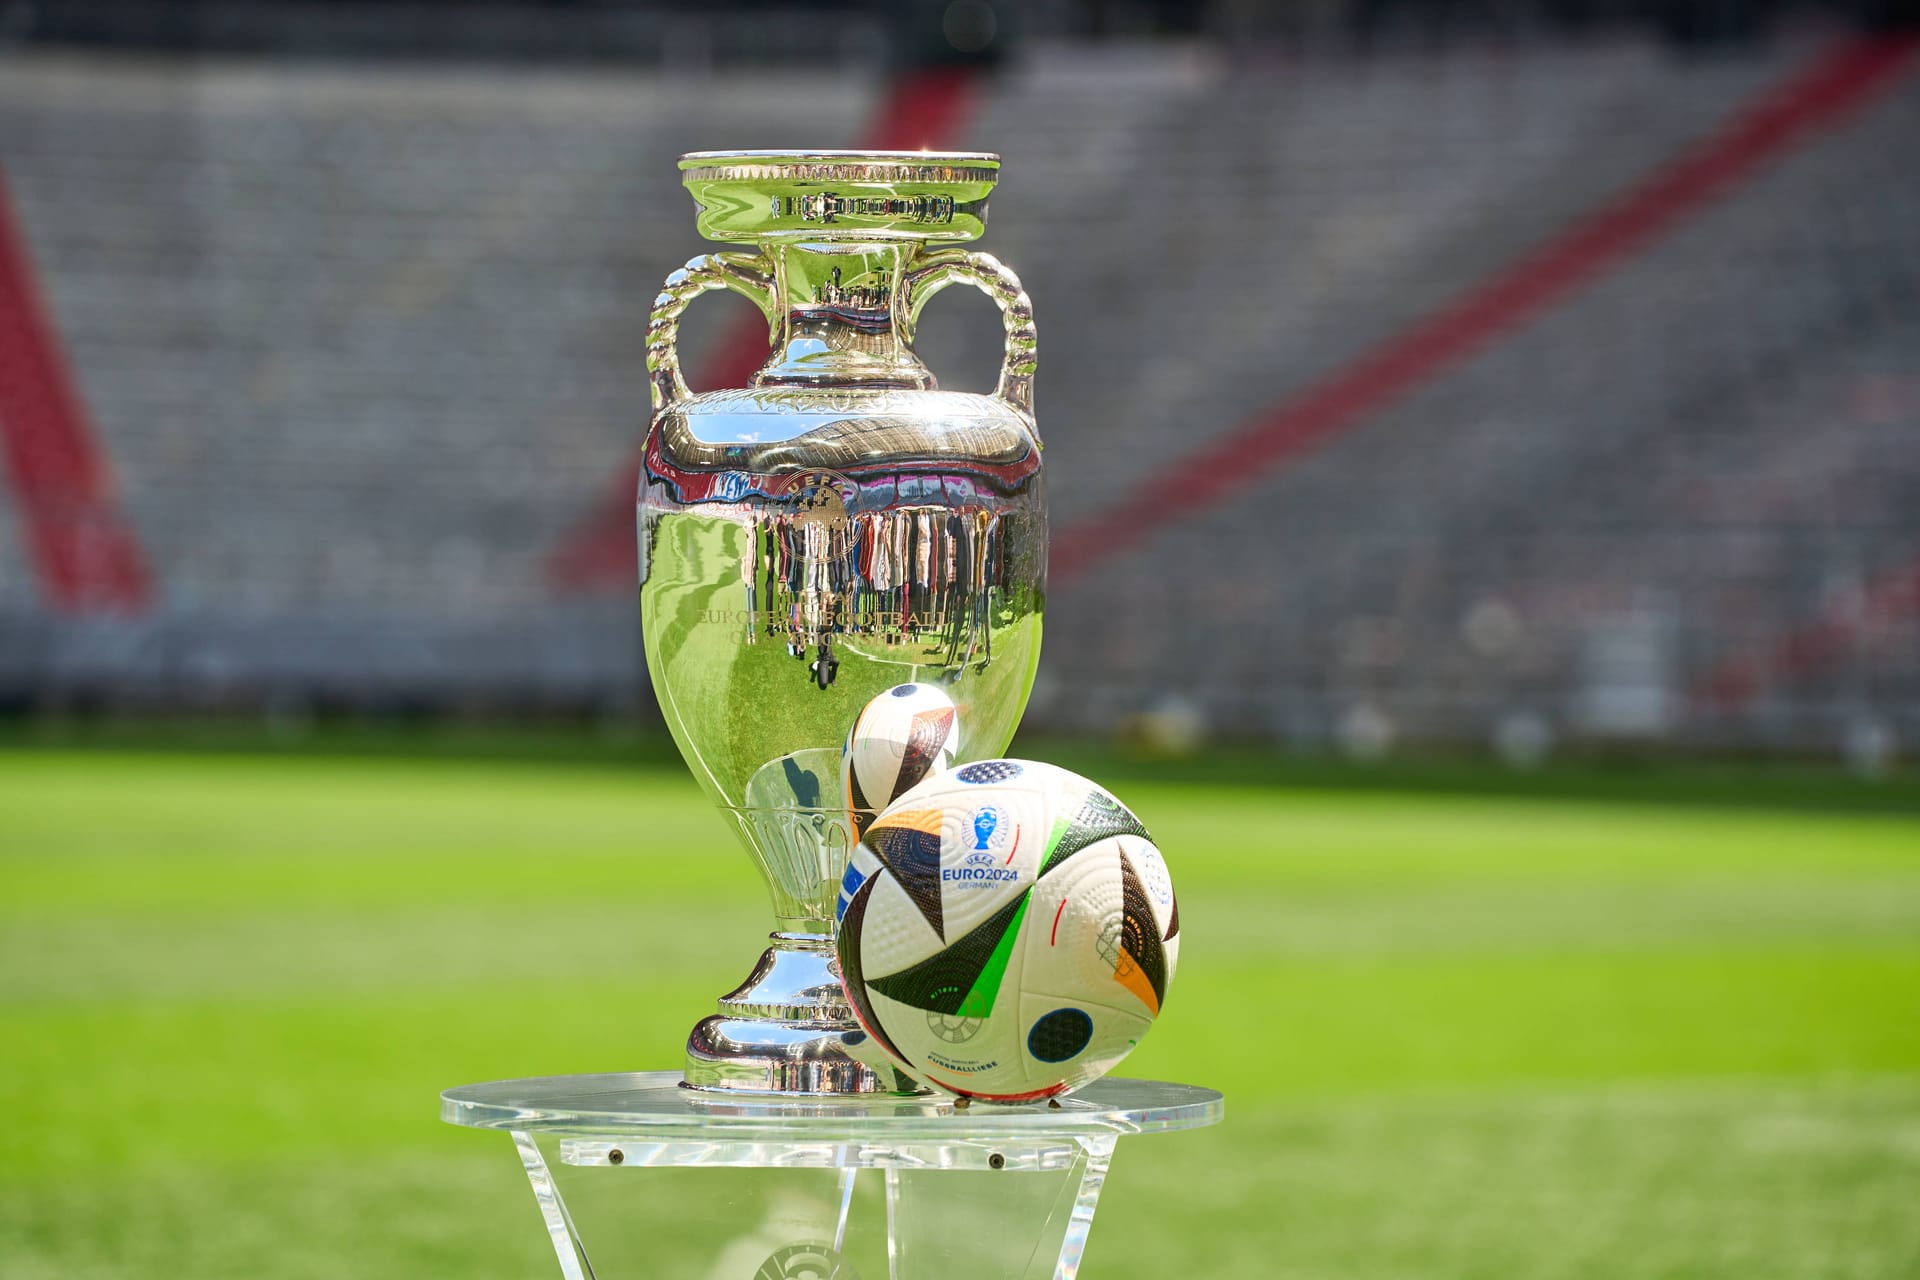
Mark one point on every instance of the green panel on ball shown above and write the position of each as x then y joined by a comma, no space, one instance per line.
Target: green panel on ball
979,1001
942,983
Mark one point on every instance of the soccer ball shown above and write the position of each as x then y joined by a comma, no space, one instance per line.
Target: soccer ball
1009,932
900,738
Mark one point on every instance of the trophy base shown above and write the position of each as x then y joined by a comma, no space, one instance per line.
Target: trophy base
787,1030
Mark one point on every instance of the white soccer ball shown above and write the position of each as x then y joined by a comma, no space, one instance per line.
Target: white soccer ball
1008,932
900,738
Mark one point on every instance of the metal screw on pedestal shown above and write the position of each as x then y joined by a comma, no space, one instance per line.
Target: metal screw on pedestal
996,1161
615,1156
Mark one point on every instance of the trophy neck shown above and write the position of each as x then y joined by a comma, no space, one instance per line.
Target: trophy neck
841,316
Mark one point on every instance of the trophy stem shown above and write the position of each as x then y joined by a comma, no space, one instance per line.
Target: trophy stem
787,1029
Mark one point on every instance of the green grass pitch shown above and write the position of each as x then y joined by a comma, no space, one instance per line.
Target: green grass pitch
1464,1036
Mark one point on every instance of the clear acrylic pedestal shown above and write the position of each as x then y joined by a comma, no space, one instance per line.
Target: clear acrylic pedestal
636,1176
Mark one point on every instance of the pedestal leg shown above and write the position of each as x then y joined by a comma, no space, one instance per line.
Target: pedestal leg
553,1210
1026,1218
1093,1176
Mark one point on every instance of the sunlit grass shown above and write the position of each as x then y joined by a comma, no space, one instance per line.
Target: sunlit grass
1463,1035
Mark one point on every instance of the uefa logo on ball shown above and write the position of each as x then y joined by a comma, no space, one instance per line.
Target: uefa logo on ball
991,829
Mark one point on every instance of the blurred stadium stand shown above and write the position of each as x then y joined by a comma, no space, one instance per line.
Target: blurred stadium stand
359,338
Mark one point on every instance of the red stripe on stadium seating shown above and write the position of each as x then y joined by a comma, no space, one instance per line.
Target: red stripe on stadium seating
1837,83
84,553
1815,644
922,110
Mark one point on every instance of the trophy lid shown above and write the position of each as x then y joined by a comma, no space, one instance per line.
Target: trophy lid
896,195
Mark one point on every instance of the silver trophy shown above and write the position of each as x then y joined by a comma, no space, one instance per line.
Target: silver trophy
836,528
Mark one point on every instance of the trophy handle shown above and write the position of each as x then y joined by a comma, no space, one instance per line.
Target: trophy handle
744,273
930,273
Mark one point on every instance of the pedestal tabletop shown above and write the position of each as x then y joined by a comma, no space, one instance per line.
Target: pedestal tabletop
652,1105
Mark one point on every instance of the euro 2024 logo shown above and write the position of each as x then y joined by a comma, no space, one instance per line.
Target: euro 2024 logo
983,863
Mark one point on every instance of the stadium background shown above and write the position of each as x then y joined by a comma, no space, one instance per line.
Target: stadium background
1576,350
1580,373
